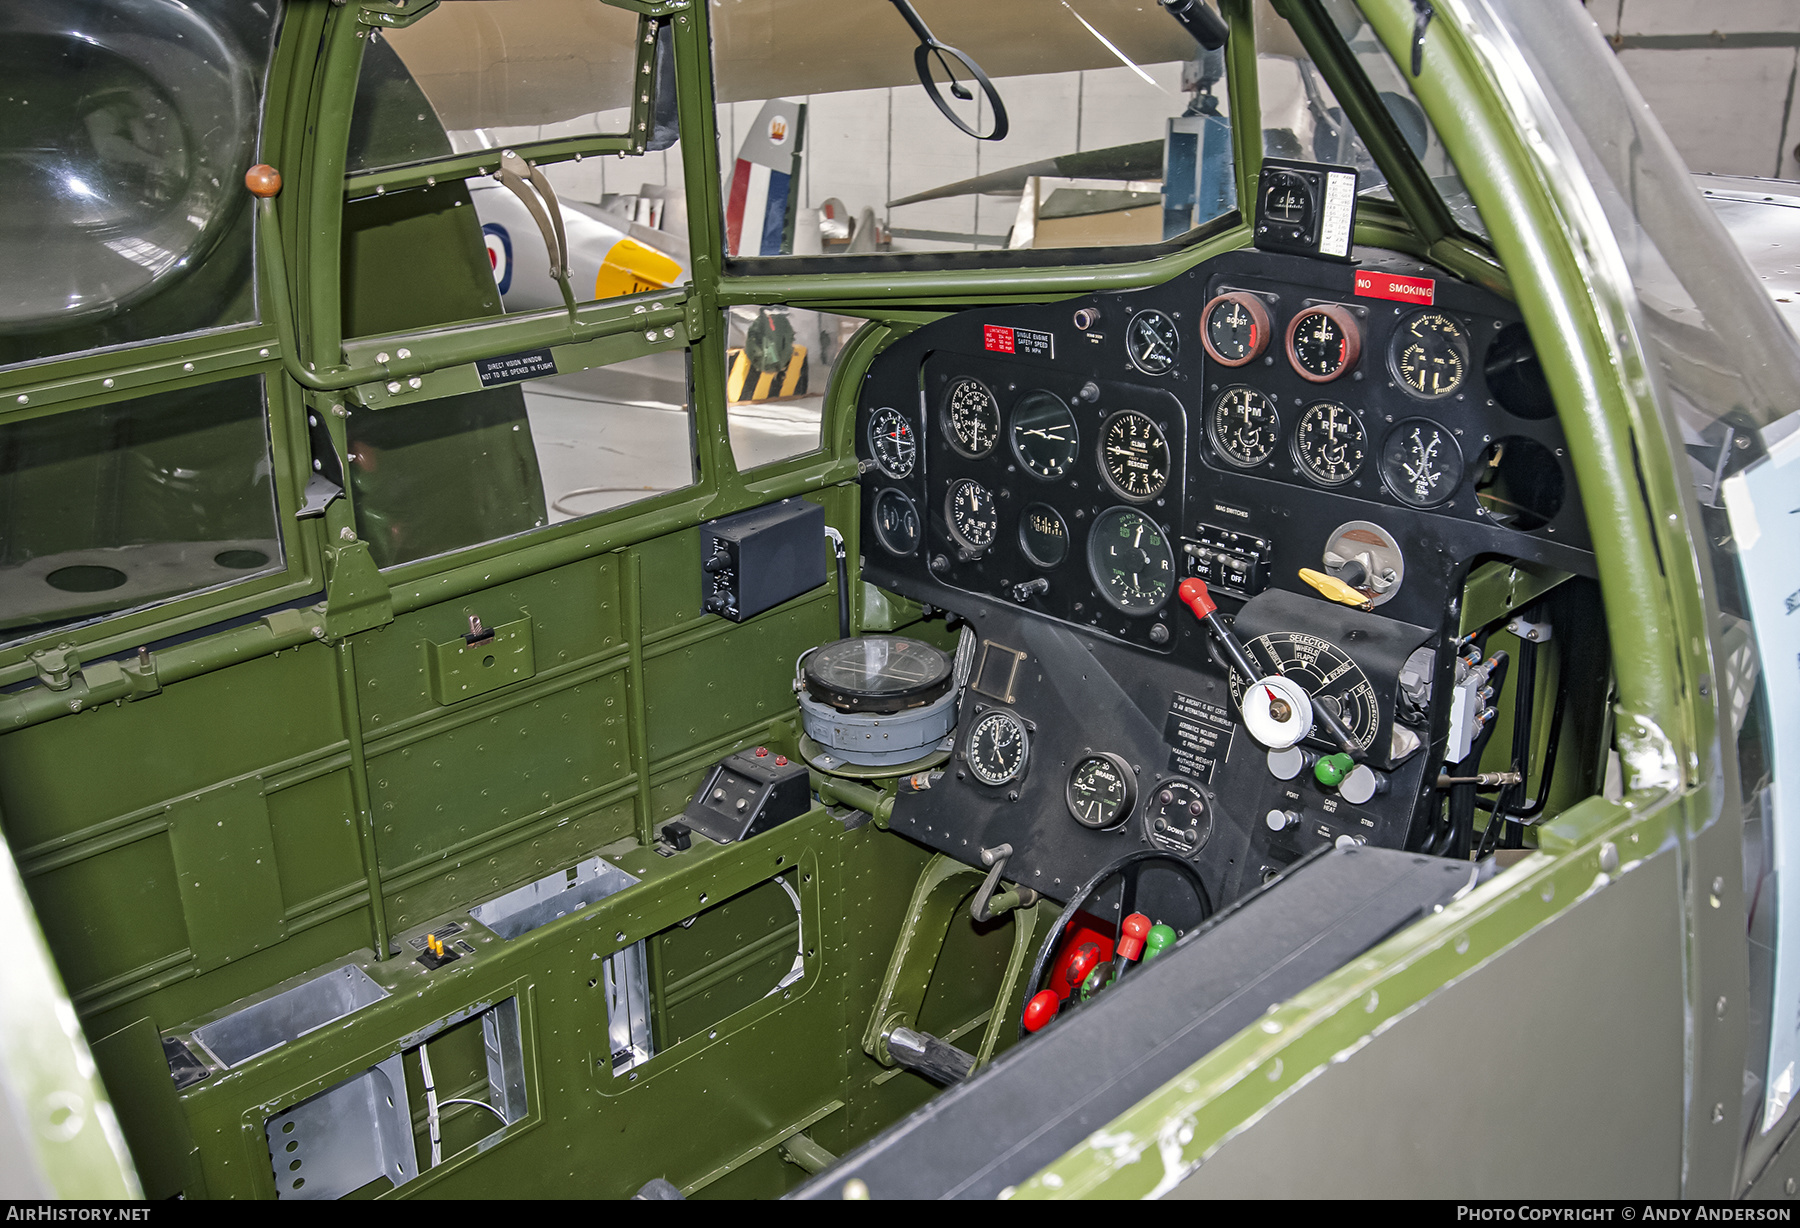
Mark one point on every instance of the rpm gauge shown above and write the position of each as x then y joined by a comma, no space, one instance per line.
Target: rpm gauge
897,525
974,520
1101,791
1152,342
1235,328
1134,455
1430,355
1329,443
1131,561
1323,342
1243,426
892,442
1421,463
1322,670
1044,437
973,418
998,748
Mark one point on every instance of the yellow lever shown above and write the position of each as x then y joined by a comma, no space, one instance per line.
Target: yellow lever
1336,589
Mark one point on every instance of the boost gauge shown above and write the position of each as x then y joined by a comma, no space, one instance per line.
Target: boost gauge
974,520
1243,426
1235,328
1323,342
998,747
1430,355
891,442
1329,443
973,418
1101,791
1134,455
1152,342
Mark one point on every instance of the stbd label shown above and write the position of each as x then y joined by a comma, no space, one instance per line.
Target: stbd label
1002,340
1395,288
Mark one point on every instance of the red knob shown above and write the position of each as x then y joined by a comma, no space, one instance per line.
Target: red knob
1132,935
263,179
1193,594
762,752
780,760
1041,1009
1085,959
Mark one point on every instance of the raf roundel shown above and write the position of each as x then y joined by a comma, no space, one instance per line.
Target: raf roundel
500,254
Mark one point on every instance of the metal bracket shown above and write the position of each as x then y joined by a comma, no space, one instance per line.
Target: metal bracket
57,667
1536,633
540,201
326,480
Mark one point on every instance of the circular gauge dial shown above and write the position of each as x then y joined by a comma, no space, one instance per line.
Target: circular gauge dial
1131,561
1044,437
877,673
973,417
1430,355
998,748
974,520
1277,712
1321,669
1288,200
897,524
1178,818
892,442
1044,535
1101,791
1421,463
1329,443
1134,455
1235,328
1152,342
1243,426
1323,342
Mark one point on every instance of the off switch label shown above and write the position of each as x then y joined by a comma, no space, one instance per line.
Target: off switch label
1199,734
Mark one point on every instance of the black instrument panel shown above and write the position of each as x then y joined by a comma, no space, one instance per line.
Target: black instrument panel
1075,461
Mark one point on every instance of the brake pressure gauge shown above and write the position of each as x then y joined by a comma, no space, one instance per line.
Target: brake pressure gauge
1101,790
1277,711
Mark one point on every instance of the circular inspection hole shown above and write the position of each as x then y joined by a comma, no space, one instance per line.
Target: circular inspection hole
241,560
287,1127
487,660
299,1183
293,1144
1519,483
593,981
294,1166
85,579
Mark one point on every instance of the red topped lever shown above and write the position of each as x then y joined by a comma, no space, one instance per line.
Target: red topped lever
1194,595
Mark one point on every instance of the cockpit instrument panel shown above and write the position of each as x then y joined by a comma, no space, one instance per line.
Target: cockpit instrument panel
1259,416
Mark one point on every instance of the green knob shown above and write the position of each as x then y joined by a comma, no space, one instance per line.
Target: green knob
1159,939
1331,769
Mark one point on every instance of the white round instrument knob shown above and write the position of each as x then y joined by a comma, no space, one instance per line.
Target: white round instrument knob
1277,711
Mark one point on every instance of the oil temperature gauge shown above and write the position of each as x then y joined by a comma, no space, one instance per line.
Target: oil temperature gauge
1178,818
998,748
1101,791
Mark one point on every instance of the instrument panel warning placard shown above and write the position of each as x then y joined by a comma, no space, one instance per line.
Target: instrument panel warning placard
1200,735
1002,340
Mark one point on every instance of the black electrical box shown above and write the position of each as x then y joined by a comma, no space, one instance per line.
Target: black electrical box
745,795
758,559
1308,208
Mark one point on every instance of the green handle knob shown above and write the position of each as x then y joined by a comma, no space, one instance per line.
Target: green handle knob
1331,769
1159,939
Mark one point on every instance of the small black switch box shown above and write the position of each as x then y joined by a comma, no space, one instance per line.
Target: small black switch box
756,560
748,793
